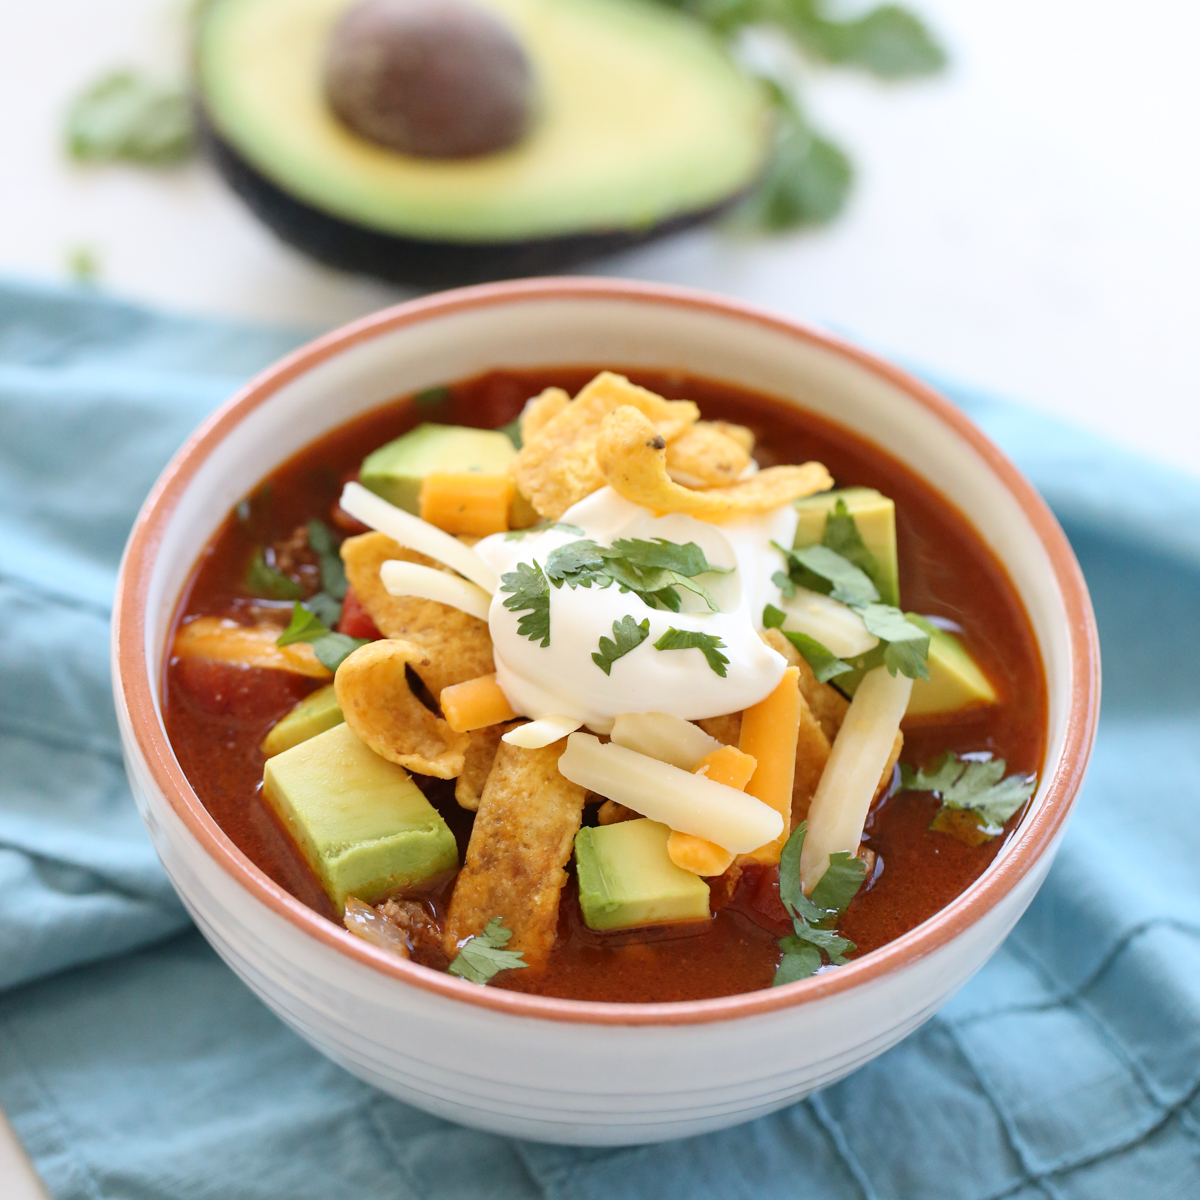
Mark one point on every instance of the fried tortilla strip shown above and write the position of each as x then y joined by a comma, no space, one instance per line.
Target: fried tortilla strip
631,456
247,646
706,456
540,410
481,753
727,729
557,467
373,693
520,844
457,645
827,703
890,765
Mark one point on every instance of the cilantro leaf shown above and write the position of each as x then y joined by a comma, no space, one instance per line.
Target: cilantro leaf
516,535
889,42
331,649
686,639
840,883
512,431
825,664
483,956
905,644
686,559
628,635
842,536
530,595
325,607
798,963
841,579
579,564
828,940
125,117
907,648
266,581
814,917
975,785
333,574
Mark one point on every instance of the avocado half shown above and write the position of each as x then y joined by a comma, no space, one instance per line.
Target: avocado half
644,126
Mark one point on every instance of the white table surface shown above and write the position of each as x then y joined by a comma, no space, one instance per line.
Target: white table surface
1027,222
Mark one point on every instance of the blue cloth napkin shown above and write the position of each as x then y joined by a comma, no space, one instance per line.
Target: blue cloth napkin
133,1065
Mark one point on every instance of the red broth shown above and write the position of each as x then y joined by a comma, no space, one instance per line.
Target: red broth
216,716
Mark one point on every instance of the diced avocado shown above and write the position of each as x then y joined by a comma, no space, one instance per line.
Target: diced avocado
627,879
395,471
875,516
955,681
360,821
314,714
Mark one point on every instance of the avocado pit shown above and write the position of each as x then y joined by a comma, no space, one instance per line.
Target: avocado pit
431,78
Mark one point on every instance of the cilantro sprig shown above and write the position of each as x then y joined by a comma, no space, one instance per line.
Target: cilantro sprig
654,571
530,594
483,956
840,566
266,581
331,649
977,796
814,937
628,635
688,639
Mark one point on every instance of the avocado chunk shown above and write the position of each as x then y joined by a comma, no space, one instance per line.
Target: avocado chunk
955,681
361,823
642,124
314,714
627,879
875,516
439,78
395,471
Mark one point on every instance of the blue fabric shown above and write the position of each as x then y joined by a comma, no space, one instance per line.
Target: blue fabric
135,1066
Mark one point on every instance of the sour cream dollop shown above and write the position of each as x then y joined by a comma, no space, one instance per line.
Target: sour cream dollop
562,678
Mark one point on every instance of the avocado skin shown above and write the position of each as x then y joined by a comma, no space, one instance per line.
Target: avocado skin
415,261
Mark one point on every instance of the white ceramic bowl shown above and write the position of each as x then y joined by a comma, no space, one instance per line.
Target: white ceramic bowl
535,1067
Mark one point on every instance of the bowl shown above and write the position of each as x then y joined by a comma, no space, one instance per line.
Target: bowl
537,1067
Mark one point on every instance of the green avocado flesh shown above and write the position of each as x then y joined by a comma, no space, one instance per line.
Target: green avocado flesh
314,714
395,471
360,821
875,516
627,879
641,117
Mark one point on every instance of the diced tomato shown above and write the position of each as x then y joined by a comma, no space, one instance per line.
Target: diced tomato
244,693
355,621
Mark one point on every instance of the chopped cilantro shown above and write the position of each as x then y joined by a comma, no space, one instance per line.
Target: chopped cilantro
815,917
512,431
707,643
266,581
333,574
483,957
826,569
825,664
516,535
842,536
653,570
432,397
628,635
977,797
530,595
126,117
331,649
326,607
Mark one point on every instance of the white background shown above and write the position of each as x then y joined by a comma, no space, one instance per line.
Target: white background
1027,222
